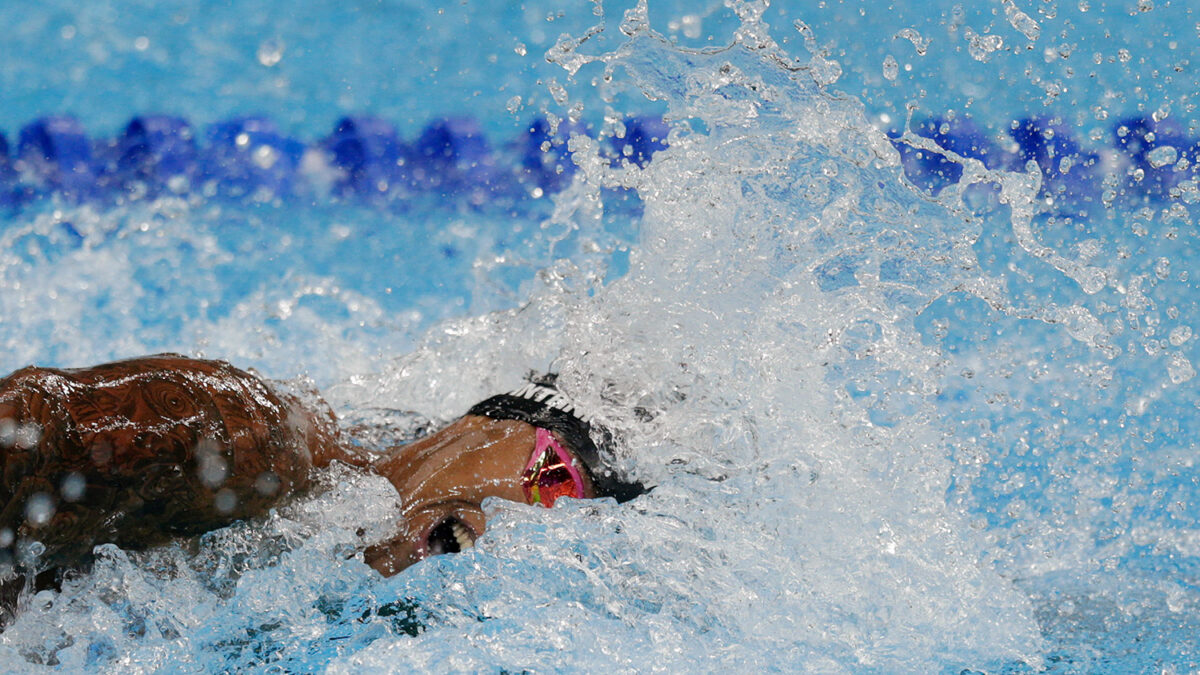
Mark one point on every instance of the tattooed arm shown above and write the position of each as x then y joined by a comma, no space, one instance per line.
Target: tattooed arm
138,451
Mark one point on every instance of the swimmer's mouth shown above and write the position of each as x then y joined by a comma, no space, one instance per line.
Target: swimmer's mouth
449,536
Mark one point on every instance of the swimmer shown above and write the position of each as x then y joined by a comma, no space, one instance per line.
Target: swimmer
138,452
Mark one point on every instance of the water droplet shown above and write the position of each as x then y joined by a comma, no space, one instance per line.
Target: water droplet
267,483
691,26
890,68
981,47
225,501
211,467
265,156
141,43
1162,269
1179,369
1162,156
919,43
520,49
39,509
270,52
1021,21
825,71
73,486
26,436
1180,335
8,432
558,91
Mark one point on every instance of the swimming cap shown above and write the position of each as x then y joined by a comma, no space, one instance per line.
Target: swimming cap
540,404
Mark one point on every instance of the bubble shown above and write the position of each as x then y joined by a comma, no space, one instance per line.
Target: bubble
29,551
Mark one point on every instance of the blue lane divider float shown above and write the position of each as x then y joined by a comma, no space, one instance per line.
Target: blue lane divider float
249,157
545,154
156,153
1147,159
57,154
1069,172
366,151
6,173
643,137
453,156
1158,149
452,162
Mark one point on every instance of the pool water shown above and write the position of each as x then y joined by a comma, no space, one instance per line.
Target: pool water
909,299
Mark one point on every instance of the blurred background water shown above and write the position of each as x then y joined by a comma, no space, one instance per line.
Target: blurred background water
910,296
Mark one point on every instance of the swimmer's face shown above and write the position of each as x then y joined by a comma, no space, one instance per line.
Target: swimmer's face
444,478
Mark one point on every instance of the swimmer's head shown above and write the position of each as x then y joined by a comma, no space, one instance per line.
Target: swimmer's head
527,446
540,404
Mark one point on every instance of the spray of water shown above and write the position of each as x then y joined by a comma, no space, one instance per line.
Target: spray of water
762,360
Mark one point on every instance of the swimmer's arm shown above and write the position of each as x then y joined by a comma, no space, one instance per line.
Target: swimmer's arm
138,451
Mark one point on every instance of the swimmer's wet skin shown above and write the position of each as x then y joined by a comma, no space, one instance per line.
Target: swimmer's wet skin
443,479
140,451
